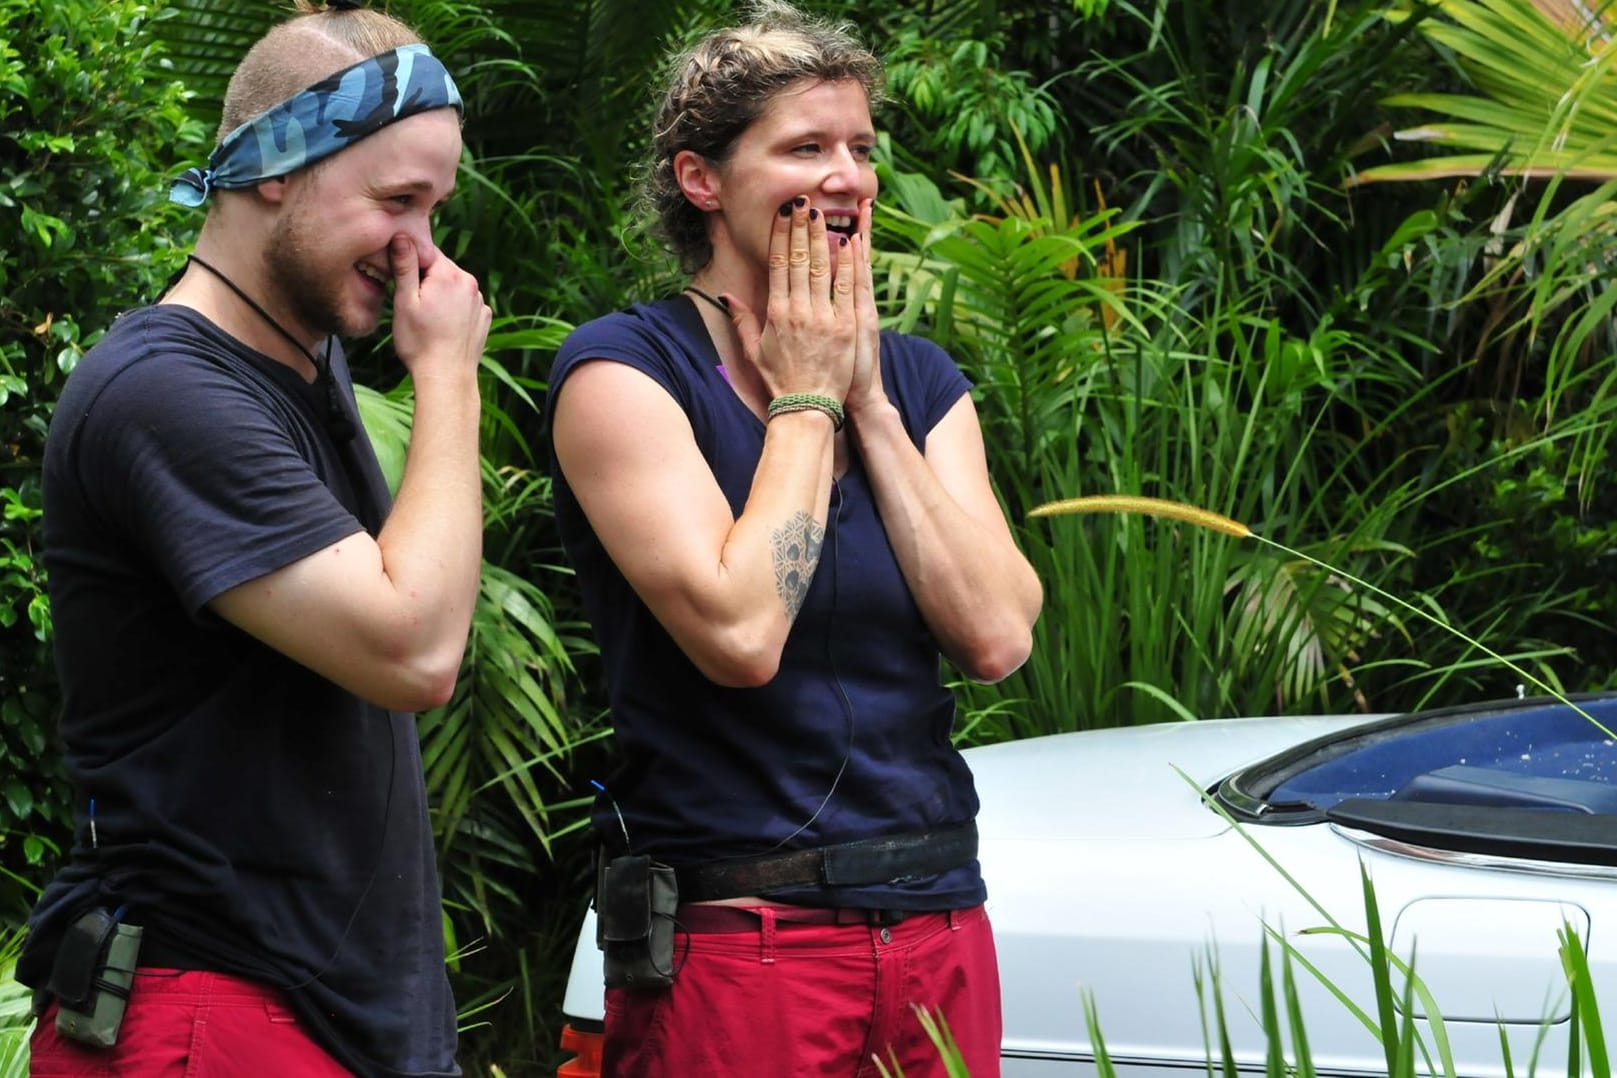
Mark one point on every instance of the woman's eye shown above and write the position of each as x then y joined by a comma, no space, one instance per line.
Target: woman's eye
863,152
807,148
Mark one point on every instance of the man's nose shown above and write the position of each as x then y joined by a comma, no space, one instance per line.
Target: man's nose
426,250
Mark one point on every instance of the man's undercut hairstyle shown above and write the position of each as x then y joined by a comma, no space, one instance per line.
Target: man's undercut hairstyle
720,85
312,87
314,43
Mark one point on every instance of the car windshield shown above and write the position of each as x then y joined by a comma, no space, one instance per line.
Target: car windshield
1533,778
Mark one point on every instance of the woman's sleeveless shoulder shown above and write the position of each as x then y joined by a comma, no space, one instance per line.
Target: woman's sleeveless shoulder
650,337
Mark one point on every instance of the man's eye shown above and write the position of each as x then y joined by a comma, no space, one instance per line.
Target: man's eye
807,147
863,152
403,200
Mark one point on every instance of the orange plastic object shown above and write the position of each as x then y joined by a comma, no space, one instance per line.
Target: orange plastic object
586,1061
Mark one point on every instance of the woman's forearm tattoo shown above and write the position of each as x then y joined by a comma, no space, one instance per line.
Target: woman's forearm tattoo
796,550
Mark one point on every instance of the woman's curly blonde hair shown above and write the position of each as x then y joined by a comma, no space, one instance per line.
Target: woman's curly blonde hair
720,85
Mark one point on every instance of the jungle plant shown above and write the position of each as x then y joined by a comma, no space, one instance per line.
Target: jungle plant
971,111
1534,126
1090,381
16,1002
88,119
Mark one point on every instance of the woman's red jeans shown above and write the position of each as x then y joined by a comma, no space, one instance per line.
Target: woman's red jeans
811,999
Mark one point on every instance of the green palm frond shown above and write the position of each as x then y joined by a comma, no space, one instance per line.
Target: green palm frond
1298,626
1546,103
206,39
507,723
1022,300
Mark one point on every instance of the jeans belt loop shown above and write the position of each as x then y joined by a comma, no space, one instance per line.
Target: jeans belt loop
767,936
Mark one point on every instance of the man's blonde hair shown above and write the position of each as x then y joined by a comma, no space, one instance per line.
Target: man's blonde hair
314,43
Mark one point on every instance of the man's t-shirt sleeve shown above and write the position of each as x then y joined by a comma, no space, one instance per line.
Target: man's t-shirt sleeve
205,476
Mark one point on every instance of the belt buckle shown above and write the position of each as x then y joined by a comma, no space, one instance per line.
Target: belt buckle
887,917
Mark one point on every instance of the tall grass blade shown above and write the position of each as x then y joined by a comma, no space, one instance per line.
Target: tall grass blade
1504,1052
1104,1067
1406,1038
1585,1008
1199,977
1302,1054
1380,972
1348,1002
1274,1058
938,1032
1226,1050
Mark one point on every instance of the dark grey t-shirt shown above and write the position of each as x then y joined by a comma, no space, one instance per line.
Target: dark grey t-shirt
252,815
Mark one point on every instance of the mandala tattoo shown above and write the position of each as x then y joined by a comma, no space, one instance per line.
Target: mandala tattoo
796,549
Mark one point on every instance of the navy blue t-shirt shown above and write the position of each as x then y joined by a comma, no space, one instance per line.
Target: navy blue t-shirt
850,740
255,818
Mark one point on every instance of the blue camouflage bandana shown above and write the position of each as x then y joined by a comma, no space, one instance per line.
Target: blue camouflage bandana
331,115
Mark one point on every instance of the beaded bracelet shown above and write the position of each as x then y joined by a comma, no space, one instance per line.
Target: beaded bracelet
808,402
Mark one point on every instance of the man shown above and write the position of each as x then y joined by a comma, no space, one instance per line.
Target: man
242,623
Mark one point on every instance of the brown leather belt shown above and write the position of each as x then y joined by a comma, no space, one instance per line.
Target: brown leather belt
888,859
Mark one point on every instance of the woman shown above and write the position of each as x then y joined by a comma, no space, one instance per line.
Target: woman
781,518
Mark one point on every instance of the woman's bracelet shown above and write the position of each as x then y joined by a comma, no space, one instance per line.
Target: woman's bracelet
808,402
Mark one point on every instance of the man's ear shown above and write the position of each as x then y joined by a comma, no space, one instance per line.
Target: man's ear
272,191
698,179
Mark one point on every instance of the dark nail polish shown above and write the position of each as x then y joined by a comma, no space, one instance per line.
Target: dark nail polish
842,241
800,201
785,209
814,215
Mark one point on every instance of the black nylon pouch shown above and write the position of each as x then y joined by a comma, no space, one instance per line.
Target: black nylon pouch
635,900
79,957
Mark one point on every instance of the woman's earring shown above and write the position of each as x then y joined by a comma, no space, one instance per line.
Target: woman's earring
712,204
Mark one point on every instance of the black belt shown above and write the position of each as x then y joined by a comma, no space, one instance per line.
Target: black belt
889,859
700,918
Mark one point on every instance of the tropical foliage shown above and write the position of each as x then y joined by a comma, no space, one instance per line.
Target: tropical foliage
1162,236
15,1006
89,115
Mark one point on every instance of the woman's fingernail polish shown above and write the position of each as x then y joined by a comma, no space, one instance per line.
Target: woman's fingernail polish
800,201
842,241
814,215
785,209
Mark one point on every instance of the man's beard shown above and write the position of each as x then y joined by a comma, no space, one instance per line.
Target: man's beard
295,273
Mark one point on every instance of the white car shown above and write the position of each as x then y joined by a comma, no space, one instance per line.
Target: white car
1485,830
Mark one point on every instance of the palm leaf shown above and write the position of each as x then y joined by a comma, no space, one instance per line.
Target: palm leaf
206,39
16,1002
1547,101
